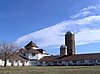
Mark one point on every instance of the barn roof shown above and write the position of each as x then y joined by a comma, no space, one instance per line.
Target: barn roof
31,44
13,57
48,58
92,56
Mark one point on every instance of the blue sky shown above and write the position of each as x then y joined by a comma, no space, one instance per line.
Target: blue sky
45,22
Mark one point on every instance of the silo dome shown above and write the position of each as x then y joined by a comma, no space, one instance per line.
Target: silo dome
69,32
63,46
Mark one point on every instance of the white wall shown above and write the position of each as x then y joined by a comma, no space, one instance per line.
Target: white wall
27,63
34,63
41,56
30,56
1,62
85,62
9,63
37,56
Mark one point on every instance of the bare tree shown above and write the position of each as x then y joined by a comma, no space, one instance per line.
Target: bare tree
6,50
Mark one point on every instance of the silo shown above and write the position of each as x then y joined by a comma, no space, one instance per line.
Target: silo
63,50
70,43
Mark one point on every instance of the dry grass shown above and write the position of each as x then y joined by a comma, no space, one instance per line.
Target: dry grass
51,70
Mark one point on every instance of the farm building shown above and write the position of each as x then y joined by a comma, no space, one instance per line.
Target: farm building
32,55
27,56
68,57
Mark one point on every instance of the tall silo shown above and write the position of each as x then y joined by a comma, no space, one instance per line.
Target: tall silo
70,43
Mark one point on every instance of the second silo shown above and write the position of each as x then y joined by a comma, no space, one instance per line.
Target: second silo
63,50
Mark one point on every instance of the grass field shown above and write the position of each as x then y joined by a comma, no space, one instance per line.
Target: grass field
51,70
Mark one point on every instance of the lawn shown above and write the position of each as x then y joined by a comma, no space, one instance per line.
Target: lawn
51,70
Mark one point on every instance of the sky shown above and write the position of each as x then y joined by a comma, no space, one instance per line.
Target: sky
45,22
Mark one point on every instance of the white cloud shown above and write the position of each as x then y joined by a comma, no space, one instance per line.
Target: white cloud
54,36
90,10
87,30
85,13
88,20
86,36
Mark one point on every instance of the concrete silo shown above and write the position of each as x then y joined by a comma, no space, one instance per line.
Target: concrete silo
63,50
70,43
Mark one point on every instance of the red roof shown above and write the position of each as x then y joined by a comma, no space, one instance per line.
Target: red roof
48,58
13,57
93,56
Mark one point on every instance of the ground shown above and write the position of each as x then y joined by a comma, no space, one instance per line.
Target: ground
51,70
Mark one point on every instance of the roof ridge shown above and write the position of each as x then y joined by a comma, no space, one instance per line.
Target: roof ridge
31,44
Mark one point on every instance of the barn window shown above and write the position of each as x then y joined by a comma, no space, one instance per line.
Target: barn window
24,54
46,62
60,62
10,61
16,61
41,62
98,60
33,54
91,61
74,61
81,61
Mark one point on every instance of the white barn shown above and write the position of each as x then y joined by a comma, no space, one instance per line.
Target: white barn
27,56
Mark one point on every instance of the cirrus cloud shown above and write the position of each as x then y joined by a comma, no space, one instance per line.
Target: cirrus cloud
87,30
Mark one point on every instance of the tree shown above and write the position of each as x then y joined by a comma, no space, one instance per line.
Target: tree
6,50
